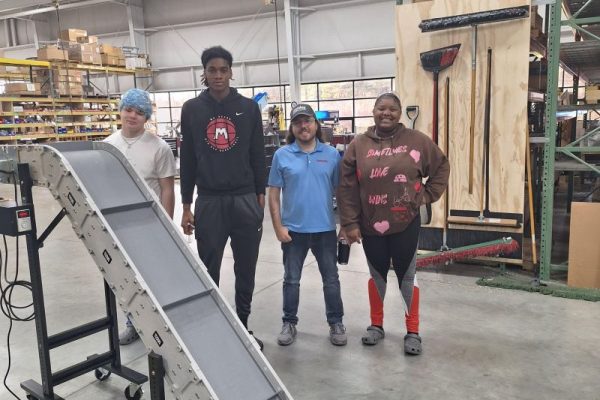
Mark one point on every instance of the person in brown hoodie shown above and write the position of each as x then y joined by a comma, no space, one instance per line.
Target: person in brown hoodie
379,197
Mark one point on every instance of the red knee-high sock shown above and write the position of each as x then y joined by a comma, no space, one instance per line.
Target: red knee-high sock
376,304
412,318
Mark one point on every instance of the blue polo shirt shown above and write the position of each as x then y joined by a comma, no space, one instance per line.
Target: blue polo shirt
308,181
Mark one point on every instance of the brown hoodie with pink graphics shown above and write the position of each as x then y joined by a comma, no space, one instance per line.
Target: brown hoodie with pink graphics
381,186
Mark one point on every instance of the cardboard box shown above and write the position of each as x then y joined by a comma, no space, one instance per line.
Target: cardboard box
592,94
72,34
27,88
52,53
109,60
87,39
584,252
121,62
106,49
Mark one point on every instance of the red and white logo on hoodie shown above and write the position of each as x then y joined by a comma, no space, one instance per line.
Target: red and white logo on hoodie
220,134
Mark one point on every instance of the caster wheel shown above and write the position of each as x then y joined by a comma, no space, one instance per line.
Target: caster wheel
30,397
137,392
102,374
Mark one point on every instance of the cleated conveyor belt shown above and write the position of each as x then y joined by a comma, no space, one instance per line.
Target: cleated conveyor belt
157,280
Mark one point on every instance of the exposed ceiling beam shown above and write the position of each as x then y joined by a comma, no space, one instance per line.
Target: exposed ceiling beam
42,10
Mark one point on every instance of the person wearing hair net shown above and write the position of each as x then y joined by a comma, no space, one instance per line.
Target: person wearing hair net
149,155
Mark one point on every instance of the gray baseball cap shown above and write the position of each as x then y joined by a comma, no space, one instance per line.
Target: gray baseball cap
302,109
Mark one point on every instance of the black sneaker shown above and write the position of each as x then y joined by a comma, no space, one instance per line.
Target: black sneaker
260,342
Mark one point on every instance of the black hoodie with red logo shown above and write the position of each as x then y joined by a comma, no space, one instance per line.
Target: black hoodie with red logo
222,150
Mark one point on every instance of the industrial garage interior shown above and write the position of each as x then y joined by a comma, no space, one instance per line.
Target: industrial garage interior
508,266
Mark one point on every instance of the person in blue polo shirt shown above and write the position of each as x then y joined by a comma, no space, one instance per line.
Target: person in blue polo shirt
307,172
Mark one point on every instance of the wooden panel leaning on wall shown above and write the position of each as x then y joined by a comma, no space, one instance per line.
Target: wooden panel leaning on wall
508,111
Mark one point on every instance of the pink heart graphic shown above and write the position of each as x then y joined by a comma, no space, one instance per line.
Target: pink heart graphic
381,227
416,155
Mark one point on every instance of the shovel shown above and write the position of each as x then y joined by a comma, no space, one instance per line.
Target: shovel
412,112
436,61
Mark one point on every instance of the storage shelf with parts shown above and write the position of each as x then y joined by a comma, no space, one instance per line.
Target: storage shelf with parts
48,101
48,118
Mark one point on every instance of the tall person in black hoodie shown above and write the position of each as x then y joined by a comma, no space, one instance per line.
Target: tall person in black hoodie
222,155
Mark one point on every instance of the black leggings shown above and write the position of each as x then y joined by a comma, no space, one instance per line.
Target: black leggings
398,247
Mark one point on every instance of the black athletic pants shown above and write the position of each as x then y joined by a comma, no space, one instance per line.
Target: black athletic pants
240,218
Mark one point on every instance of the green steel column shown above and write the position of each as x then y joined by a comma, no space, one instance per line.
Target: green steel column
553,53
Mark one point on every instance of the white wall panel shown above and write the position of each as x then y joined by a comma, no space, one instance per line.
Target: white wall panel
348,28
379,65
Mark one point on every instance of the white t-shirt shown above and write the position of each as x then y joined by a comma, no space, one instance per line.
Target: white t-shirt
151,157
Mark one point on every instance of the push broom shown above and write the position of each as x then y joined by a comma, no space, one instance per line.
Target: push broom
473,20
492,248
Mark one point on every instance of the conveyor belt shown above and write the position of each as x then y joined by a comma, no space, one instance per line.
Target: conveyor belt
170,298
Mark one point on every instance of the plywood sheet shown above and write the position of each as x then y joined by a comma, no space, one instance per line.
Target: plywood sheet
584,252
510,43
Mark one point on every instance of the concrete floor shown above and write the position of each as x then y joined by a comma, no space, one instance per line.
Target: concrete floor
479,342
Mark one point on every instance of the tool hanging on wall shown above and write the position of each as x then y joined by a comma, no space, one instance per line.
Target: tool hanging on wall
412,113
485,165
486,217
436,61
473,20
447,152
530,196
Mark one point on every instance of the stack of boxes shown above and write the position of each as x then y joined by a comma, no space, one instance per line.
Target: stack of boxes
66,82
22,89
592,94
75,45
112,56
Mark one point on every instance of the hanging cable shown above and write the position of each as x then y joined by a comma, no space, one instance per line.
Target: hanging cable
8,308
281,99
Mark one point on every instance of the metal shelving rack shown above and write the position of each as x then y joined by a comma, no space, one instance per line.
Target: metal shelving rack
584,16
55,102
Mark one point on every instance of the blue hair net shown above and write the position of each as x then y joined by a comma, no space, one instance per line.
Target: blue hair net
139,99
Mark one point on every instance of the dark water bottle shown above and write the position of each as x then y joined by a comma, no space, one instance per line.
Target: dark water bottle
343,252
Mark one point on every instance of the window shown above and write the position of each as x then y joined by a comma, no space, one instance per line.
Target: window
353,99
274,93
343,106
335,90
308,92
161,99
371,88
163,115
363,107
178,98
361,124
246,92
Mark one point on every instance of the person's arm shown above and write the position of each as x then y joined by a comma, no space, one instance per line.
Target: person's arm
257,155
187,170
187,161
167,194
281,231
438,170
348,197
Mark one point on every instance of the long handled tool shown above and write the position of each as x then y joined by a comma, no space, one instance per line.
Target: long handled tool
473,20
412,112
485,165
436,61
530,195
446,150
493,248
486,217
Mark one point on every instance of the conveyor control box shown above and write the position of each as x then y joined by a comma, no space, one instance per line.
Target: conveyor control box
14,220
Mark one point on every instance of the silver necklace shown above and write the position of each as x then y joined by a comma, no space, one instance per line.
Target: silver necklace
130,142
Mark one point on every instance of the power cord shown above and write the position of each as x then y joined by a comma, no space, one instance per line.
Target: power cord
9,309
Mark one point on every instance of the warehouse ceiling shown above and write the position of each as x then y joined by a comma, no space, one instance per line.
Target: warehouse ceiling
210,9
